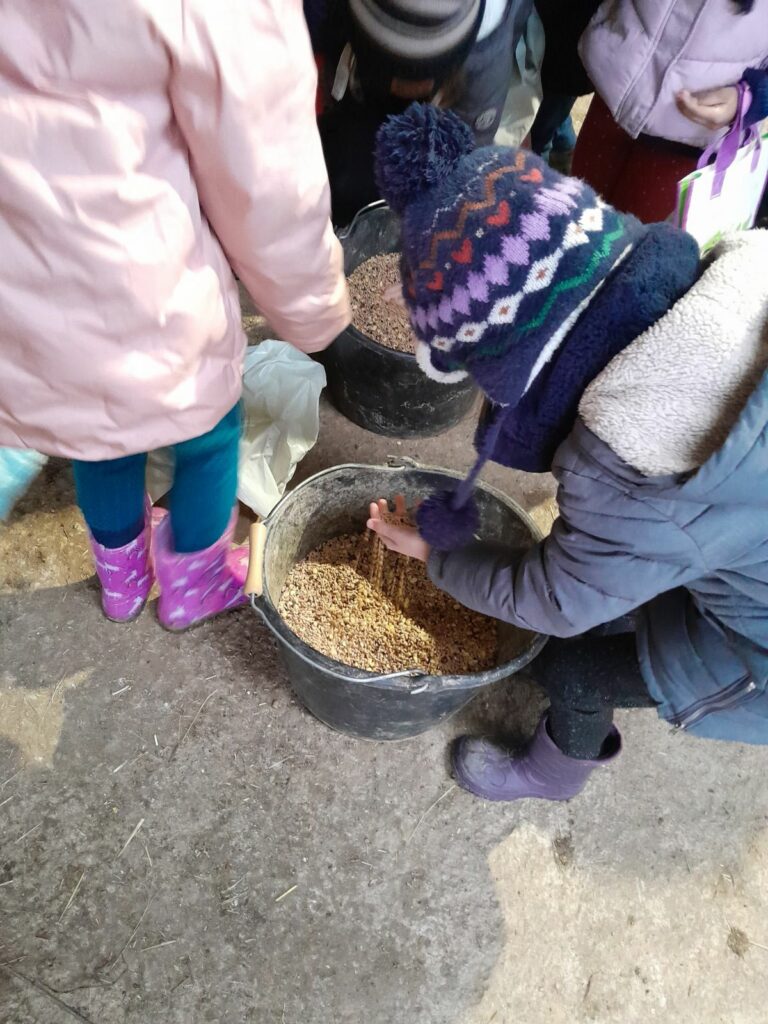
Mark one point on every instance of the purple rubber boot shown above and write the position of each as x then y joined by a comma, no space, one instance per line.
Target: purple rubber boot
543,772
125,575
197,586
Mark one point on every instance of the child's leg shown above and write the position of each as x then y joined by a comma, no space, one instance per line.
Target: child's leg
552,117
205,485
602,150
199,574
564,139
111,497
585,680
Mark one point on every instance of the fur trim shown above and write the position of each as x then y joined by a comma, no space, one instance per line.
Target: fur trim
669,400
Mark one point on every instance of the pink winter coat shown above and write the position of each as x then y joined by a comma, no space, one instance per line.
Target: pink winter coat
145,147
640,53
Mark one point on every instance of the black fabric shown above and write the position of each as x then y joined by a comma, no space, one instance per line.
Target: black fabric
327,21
564,24
348,135
585,679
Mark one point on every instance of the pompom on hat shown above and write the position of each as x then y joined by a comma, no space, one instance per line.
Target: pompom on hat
426,147
501,257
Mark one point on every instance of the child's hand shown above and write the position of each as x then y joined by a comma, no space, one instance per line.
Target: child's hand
396,535
711,108
394,294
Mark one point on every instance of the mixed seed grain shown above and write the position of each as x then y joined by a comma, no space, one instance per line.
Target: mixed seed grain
374,314
366,607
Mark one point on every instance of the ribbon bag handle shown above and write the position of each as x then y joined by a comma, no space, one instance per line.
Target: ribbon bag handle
726,149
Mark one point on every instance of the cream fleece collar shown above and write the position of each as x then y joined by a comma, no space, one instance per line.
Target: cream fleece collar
670,399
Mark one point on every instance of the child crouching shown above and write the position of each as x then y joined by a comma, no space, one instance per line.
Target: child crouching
637,375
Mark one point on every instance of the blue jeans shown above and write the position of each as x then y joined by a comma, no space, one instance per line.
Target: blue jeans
111,493
553,128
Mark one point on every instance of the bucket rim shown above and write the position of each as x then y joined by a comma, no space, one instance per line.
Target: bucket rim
378,204
355,334
414,680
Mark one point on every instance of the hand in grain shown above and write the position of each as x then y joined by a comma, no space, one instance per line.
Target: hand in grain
394,293
397,622
395,532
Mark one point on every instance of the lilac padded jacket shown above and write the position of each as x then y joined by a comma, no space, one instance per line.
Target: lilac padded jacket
640,53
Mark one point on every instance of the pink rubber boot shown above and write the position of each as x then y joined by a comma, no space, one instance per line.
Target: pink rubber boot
199,585
125,575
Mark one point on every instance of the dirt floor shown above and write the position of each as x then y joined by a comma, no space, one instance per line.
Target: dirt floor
181,842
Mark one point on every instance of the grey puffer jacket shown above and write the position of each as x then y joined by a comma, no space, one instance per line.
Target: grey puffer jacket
663,495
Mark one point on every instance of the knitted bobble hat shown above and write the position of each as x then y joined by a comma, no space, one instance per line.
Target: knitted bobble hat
500,257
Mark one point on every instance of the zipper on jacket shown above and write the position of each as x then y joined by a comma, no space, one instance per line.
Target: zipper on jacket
722,701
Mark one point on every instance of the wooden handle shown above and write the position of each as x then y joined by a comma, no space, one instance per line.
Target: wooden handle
254,581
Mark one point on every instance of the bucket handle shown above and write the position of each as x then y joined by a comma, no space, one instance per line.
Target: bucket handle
254,581
404,462
343,233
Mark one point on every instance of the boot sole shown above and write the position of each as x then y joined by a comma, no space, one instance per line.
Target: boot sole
131,618
201,622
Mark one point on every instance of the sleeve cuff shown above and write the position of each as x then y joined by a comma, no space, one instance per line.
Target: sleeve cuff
757,80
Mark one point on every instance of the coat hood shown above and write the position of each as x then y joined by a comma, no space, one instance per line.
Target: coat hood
686,404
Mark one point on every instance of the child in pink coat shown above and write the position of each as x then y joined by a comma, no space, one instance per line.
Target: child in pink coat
148,150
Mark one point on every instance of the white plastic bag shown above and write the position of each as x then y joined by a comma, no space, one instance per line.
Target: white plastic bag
281,420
